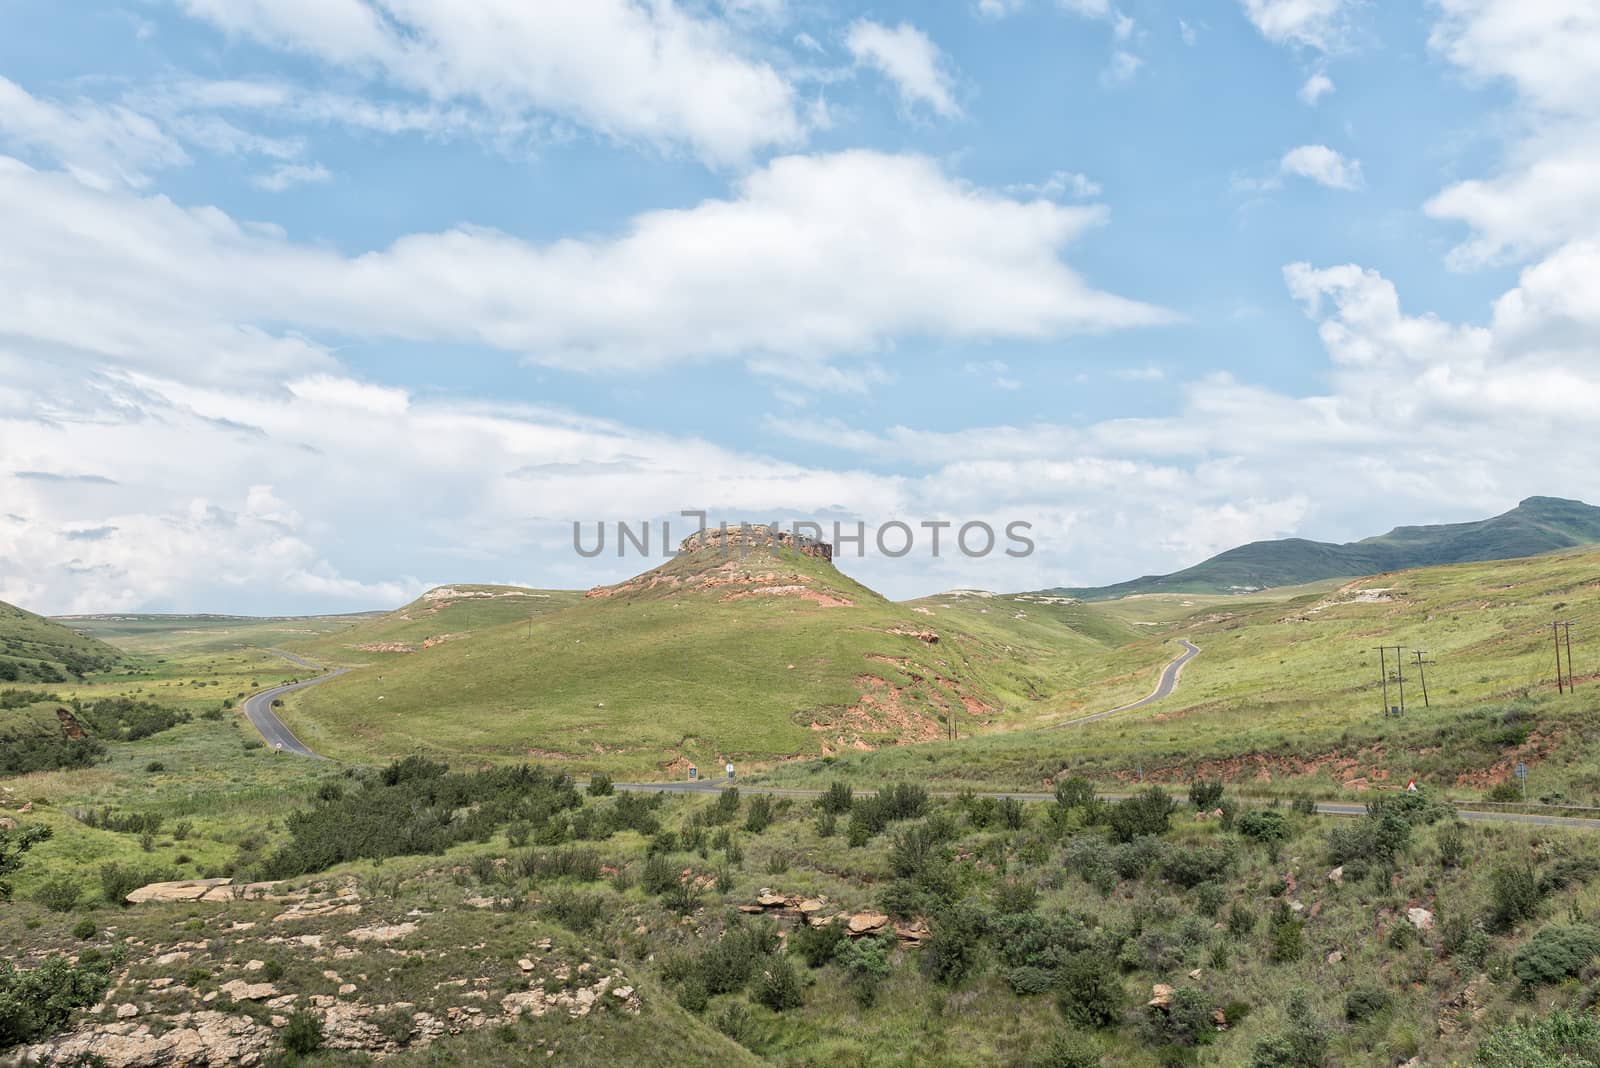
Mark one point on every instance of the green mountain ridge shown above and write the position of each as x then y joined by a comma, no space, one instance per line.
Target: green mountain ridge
1537,525
35,649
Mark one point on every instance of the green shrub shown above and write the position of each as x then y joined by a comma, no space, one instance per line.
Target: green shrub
1514,893
660,875
1366,1001
1263,825
118,881
1556,953
1067,1049
1076,792
1506,792
692,994
836,799
1205,796
576,912
1011,814
38,1002
759,818
395,1025
780,987
13,844
866,965
952,953
1285,935
1188,868
59,894
1015,895
734,1021
1564,1039
1091,992
1209,898
1146,813
817,945
84,929
1186,1020
600,785
155,766
302,1036
1302,1044
1027,981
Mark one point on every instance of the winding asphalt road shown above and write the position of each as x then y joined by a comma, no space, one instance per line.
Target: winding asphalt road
1164,688
258,709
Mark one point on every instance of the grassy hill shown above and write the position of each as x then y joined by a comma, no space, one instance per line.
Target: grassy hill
710,658
444,614
1287,693
1537,525
35,649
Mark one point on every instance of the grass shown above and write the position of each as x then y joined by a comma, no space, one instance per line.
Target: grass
669,671
463,956
34,649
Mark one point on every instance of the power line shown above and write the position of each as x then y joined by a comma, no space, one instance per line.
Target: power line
1400,675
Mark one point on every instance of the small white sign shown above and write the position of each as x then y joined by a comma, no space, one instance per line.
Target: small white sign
1411,787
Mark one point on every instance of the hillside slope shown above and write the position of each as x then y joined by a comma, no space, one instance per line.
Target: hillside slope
757,655
35,649
443,614
1537,525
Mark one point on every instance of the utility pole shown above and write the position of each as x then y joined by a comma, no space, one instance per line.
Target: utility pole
1572,683
1400,676
1383,673
1422,673
1555,631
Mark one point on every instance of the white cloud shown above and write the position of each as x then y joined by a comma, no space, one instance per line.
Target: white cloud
656,73
286,175
101,144
1322,165
1316,87
1122,68
1315,24
906,56
1549,50
891,247
1059,184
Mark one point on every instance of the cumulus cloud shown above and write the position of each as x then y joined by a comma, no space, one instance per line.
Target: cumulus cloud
1317,86
657,73
1314,24
1322,165
908,58
893,247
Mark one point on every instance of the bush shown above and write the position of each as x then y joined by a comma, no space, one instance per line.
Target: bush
1452,845
759,818
659,875
84,929
866,965
59,894
952,952
117,882
1146,813
1205,796
1015,896
1263,825
302,1036
1068,1050
817,945
1091,993
1188,868
836,799
576,912
155,766
1186,1021
600,785
38,1002
395,1025
1506,793
1011,813
1514,892
1556,953
1076,792
780,987
1564,1039
1302,1044
13,844
1285,935
1365,1001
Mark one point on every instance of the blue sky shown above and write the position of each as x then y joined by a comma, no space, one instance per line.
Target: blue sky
311,305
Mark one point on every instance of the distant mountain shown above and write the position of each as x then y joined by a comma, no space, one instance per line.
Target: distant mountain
1537,525
34,649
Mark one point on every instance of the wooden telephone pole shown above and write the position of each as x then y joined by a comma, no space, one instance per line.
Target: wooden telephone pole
1400,674
1422,673
1559,631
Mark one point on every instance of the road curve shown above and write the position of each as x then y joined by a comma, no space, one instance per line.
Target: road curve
1324,808
258,709
1164,687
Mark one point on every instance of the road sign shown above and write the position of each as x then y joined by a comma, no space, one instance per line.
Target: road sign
1411,787
694,773
730,771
